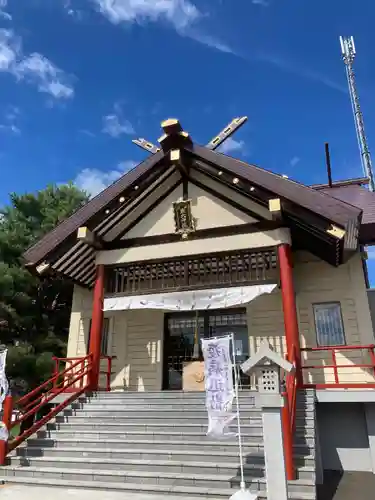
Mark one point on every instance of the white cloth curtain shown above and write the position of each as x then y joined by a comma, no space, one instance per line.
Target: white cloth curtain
215,298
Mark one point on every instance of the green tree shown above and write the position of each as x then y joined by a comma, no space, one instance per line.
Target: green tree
34,313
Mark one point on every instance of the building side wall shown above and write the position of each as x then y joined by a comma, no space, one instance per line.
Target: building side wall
317,282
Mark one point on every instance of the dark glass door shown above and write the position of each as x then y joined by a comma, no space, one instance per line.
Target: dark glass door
179,335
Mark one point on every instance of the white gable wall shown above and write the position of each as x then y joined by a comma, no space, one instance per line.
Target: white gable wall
208,210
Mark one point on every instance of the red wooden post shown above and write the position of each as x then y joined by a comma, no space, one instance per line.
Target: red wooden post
96,327
289,307
7,420
288,441
335,370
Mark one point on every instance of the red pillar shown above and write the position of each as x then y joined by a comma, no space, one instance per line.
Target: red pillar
289,307
96,327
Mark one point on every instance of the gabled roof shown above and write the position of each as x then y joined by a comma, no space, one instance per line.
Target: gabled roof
310,213
360,197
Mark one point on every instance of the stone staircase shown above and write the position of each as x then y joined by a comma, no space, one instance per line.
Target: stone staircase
155,443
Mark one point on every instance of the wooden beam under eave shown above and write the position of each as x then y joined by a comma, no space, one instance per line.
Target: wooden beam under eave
89,238
274,206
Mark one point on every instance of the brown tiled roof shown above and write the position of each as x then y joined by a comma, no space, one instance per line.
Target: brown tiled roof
52,239
318,202
356,196
362,198
323,206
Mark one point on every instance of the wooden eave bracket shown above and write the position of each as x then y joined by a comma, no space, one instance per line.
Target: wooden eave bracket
86,236
174,136
42,267
336,232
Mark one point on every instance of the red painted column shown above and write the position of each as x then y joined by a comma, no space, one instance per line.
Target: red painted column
96,327
289,306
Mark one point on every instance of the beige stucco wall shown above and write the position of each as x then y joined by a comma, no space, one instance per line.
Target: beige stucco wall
316,282
136,337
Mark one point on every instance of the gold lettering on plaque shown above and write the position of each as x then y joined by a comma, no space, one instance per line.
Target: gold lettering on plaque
183,217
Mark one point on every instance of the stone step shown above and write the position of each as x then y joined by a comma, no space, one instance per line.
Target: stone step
180,438
167,407
82,424
117,443
158,481
152,413
114,399
156,466
89,450
134,490
147,417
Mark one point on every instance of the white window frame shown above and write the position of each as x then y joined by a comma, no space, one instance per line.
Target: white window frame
333,341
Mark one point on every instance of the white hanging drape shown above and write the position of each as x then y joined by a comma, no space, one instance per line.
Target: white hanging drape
215,298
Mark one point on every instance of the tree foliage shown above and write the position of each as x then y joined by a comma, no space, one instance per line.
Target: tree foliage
34,313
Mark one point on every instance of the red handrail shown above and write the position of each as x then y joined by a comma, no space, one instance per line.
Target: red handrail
43,395
337,367
107,372
289,413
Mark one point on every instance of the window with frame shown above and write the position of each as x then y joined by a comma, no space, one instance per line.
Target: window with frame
329,325
105,334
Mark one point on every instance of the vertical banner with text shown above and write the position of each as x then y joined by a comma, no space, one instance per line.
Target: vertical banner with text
218,369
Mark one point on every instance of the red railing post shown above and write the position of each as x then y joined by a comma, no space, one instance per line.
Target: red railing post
335,370
96,327
372,357
290,308
288,440
7,420
56,371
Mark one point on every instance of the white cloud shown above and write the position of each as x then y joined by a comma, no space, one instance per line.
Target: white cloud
115,124
294,161
10,121
93,180
181,14
231,145
34,68
297,69
3,14
263,3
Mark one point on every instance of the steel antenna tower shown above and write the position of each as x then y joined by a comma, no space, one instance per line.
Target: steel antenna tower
348,54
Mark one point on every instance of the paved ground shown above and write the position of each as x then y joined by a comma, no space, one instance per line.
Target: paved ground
349,486
18,492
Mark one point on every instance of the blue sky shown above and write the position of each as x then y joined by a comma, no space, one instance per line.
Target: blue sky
80,78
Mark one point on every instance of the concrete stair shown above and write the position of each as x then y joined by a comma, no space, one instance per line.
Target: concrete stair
155,443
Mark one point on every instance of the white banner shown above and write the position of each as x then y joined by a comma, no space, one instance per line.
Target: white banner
4,386
216,298
218,369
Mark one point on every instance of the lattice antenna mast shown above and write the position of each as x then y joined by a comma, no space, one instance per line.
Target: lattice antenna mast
348,54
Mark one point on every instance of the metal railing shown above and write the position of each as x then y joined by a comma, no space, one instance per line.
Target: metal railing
33,405
355,369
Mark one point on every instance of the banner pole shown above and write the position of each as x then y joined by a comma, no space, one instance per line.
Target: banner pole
242,484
